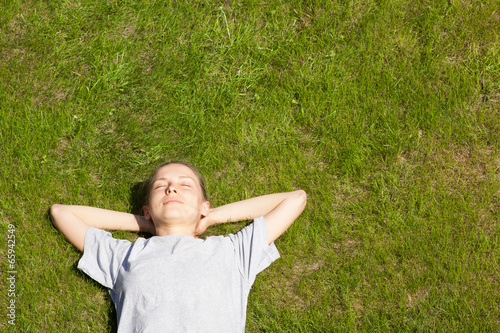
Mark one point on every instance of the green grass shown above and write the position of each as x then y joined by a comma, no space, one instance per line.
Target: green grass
386,113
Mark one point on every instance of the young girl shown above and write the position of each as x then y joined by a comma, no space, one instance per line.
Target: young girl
174,281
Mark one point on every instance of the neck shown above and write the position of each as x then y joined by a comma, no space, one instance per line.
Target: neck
174,230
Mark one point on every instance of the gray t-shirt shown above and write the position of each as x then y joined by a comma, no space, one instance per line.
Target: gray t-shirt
179,283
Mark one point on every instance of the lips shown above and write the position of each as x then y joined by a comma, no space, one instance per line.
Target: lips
172,201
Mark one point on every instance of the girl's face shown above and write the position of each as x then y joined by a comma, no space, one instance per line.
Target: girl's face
176,197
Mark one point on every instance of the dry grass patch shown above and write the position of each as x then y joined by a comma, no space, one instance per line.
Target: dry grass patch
347,248
466,168
287,284
454,168
417,297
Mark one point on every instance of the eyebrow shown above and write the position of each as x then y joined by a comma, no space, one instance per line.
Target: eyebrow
164,178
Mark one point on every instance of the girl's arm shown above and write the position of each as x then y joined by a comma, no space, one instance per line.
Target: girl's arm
74,221
278,209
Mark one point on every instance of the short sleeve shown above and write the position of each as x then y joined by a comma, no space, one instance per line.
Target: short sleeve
102,256
252,250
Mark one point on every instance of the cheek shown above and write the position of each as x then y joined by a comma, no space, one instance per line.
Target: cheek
155,198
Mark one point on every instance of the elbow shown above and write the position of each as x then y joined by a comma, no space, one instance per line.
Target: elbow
301,198
55,210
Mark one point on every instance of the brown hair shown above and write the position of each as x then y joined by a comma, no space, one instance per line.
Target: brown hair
148,184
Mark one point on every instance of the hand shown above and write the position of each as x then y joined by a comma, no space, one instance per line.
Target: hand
151,228
202,225
145,225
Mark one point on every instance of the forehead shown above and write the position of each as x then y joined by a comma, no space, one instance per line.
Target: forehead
175,171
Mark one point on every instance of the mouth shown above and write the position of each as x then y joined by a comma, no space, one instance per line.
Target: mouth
172,202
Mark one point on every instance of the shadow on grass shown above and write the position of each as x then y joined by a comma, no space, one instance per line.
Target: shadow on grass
137,197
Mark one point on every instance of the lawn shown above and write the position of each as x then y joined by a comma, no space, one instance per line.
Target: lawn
387,113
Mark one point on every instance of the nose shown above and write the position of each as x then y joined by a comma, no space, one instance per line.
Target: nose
171,189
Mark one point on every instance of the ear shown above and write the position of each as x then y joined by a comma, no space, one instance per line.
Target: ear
205,208
147,215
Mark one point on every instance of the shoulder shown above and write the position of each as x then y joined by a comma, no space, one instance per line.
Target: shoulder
102,241
254,237
258,227
100,234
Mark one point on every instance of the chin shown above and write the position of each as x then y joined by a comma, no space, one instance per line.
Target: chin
174,217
